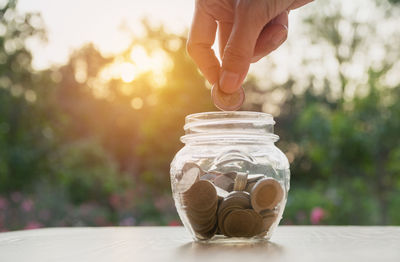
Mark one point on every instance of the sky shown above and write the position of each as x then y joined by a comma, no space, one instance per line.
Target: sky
72,23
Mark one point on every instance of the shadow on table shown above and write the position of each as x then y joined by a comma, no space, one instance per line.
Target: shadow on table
226,250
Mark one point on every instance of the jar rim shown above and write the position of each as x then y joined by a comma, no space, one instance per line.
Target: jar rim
230,116
239,126
238,138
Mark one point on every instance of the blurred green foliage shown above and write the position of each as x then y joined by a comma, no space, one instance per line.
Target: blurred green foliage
72,156
346,146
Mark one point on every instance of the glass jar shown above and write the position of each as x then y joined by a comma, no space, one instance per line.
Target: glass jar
230,181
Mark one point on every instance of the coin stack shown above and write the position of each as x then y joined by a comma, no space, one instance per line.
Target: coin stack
201,201
233,204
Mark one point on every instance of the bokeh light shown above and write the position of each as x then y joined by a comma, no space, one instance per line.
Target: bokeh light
88,140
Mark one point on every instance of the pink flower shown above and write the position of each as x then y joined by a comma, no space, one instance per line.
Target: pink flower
317,214
3,203
164,204
174,223
27,205
33,225
160,203
128,221
115,201
16,197
100,221
86,208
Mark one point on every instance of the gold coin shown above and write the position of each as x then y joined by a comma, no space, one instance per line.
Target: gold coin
188,179
239,199
224,182
214,172
231,175
227,102
250,186
208,176
221,193
234,200
221,219
240,182
266,194
201,196
269,217
254,177
239,223
189,165
202,221
258,222
206,235
205,225
200,213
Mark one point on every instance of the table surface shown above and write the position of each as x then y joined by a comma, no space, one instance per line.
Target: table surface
289,243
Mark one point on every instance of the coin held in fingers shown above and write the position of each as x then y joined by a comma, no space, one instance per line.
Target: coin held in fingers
227,102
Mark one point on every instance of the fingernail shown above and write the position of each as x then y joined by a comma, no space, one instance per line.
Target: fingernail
279,37
282,24
229,82
281,19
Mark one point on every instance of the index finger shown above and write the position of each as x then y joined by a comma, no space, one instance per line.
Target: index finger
201,38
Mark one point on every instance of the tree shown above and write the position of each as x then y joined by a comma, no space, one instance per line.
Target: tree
340,131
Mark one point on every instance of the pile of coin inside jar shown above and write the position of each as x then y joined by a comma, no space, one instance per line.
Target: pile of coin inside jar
233,204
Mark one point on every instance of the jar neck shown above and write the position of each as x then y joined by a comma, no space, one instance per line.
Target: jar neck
229,127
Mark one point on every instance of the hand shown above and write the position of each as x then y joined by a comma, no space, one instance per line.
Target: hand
248,31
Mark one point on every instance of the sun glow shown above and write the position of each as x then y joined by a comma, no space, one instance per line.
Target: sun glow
127,72
137,103
138,62
140,58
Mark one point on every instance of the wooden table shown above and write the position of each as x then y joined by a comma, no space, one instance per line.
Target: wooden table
289,243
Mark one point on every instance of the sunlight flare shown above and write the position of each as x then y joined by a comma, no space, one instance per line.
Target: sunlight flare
127,72
137,103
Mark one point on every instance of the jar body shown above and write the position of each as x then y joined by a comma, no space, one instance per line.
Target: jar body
229,188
